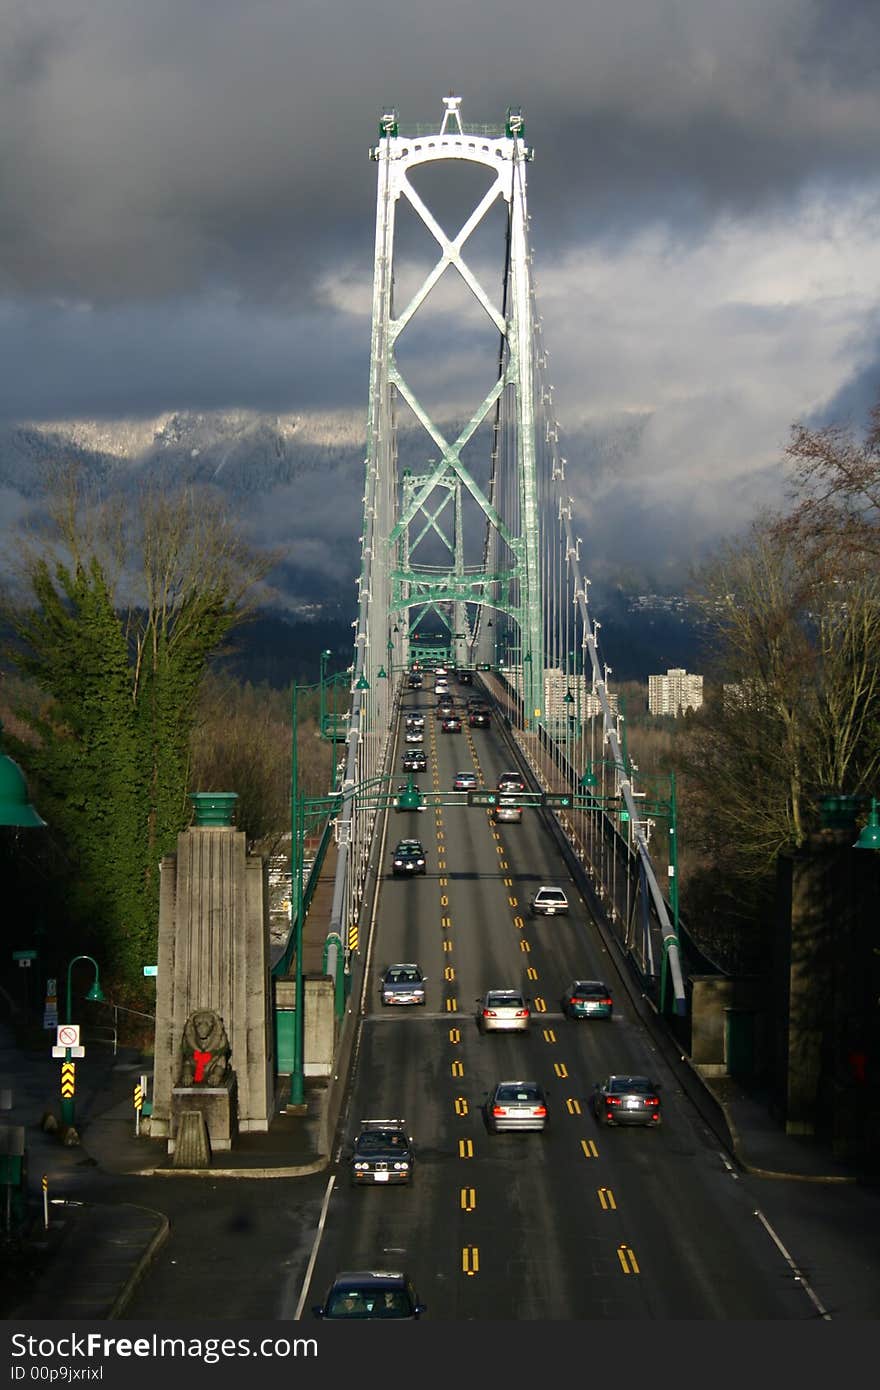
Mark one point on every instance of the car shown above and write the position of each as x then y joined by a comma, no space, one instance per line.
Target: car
478,718
415,681
408,858
451,725
465,781
440,672
507,810
414,735
464,677
383,1153
408,797
503,1011
445,705
626,1100
415,760
548,902
403,984
588,999
516,1105
511,782
441,687
415,721
371,1293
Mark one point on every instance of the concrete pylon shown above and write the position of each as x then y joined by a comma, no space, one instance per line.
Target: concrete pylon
214,954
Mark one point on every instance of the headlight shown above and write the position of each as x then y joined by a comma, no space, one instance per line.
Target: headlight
401,1167
362,1167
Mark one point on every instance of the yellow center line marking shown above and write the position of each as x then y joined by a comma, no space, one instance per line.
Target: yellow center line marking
447,945
572,1105
449,973
589,1148
495,835
549,1036
560,1068
444,901
440,835
508,883
452,1008
457,1069
461,1108
518,922
443,882
523,944
540,1006
503,864
532,973
465,1146
514,902
470,1259
500,849
441,863
606,1199
468,1198
455,1035
446,922
628,1262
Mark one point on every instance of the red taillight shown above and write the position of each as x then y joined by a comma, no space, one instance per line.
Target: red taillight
522,1013
489,1013
540,1110
652,1102
606,1002
498,1110
574,1001
612,1100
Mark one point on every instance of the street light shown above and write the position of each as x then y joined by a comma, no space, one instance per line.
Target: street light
869,837
94,996
324,658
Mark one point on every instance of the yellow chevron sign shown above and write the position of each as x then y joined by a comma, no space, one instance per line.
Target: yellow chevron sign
68,1079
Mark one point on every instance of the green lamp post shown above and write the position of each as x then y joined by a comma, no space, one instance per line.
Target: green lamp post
95,996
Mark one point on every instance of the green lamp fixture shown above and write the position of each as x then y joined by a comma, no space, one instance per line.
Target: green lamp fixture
15,807
869,837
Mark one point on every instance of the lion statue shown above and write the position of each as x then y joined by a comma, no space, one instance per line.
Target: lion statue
205,1050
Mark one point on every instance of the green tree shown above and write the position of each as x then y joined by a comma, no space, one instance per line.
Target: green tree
110,748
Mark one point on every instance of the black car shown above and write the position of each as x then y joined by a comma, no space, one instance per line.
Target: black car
464,677
371,1293
383,1154
415,760
478,717
409,858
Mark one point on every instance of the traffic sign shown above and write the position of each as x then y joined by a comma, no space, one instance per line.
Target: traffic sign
138,1097
482,798
68,1035
561,799
151,970
26,956
68,1080
68,1052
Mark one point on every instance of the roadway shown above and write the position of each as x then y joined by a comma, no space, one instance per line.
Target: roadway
575,1223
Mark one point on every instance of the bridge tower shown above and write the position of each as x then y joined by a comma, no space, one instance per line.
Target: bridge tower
482,465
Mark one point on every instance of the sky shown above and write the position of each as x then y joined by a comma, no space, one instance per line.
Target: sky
188,213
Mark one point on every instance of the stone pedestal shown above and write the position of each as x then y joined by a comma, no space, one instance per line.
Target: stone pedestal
217,1105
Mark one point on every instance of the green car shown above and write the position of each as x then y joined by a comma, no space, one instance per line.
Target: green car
587,999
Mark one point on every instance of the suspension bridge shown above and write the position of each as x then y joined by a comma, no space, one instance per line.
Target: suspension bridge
469,535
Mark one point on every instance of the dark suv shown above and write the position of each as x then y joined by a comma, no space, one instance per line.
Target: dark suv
370,1293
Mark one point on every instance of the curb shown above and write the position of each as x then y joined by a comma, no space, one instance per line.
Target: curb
161,1235
301,1170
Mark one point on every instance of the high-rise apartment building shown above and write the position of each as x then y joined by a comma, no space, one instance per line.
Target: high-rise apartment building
675,692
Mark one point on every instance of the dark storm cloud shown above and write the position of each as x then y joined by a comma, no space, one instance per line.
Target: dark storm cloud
188,205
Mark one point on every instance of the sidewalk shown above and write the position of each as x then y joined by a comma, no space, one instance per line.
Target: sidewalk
110,1244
